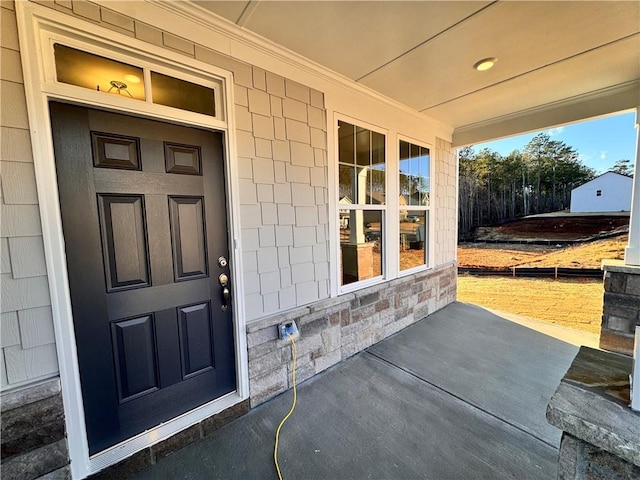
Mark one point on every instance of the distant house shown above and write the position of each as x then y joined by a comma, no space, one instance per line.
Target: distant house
609,192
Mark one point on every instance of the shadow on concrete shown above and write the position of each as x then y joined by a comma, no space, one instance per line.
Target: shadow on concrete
459,395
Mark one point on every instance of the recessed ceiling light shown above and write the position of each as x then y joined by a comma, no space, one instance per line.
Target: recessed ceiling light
485,64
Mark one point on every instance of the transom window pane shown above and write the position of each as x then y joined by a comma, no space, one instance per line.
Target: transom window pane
177,93
415,182
102,74
87,70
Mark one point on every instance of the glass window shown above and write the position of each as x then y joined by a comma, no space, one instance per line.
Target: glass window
414,229
415,163
415,186
361,173
83,69
360,245
102,74
177,93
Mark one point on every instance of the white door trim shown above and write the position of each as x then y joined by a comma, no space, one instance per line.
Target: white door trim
36,26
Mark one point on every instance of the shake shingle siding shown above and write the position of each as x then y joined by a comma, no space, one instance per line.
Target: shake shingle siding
28,352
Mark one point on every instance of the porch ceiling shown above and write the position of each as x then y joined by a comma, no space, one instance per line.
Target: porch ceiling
558,62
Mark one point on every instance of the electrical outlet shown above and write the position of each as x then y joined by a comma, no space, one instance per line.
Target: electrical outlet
288,329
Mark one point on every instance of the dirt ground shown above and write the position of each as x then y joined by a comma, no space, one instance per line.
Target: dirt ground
555,228
574,303
586,255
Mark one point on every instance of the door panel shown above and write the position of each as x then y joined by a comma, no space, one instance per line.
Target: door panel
143,209
186,217
195,338
134,352
124,241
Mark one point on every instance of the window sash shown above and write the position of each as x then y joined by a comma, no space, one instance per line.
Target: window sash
361,206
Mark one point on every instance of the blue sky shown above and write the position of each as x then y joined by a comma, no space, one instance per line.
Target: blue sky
600,143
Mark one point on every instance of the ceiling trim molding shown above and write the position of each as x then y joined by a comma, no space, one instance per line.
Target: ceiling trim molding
603,102
256,42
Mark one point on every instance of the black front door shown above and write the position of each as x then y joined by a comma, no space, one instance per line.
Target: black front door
143,210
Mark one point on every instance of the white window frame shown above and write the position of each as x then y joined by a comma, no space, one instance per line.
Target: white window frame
148,63
39,27
430,234
335,207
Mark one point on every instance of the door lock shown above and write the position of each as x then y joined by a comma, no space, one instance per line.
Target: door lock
222,262
223,280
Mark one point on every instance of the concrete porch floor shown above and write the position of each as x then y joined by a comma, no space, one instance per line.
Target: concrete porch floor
459,395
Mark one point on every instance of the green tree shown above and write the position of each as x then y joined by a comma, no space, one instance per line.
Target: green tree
494,189
625,167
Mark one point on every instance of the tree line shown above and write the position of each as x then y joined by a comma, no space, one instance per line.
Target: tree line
494,188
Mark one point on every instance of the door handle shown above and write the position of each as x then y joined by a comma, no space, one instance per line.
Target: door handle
225,298
223,280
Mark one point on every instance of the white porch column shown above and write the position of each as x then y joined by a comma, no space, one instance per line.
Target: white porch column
632,252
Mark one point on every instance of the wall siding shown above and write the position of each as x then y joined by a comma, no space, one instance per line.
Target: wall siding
282,149
615,194
29,353
446,208
33,433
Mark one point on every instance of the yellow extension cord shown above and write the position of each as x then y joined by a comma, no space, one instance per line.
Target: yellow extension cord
293,406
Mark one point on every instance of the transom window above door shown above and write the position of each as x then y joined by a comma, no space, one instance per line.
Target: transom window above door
106,75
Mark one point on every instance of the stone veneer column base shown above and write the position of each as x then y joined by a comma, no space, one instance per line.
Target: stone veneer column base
582,460
621,310
601,438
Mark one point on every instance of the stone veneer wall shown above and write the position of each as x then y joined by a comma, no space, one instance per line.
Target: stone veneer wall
33,433
335,329
621,309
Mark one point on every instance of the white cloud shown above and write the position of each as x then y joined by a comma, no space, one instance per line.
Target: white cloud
603,155
555,131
